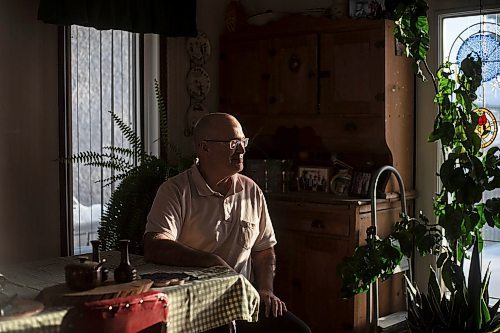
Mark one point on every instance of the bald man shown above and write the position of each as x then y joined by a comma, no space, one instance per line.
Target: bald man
210,215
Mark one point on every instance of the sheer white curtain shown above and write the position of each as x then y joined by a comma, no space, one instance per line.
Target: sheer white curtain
104,77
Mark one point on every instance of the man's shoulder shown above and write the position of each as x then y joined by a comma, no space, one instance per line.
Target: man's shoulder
180,180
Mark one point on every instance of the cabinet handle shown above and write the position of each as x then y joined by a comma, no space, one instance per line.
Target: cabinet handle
294,63
317,224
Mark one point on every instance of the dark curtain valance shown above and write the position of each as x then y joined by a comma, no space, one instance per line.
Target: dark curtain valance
165,17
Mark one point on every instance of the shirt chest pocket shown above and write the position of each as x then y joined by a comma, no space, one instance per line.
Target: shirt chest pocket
248,231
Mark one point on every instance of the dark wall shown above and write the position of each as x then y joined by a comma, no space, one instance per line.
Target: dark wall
29,180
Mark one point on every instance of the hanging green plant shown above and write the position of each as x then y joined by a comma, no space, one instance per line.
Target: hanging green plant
466,173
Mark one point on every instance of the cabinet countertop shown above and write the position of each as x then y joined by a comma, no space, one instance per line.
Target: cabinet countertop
328,198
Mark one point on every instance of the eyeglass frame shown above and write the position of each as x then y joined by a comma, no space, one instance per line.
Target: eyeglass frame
233,143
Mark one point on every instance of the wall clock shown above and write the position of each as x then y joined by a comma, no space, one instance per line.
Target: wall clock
198,83
198,49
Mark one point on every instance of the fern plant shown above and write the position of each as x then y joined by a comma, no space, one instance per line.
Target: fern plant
124,216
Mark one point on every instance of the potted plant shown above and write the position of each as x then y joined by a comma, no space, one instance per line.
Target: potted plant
466,173
125,214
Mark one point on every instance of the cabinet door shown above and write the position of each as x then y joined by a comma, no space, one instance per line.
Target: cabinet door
352,72
294,79
245,76
312,240
289,282
325,311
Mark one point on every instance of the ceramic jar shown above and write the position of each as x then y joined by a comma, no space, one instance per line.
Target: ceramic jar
339,185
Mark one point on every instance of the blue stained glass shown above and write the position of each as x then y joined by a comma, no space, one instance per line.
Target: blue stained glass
487,48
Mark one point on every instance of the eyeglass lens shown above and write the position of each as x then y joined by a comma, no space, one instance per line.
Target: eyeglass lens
236,142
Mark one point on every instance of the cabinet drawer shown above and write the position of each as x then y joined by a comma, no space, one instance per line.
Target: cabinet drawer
311,218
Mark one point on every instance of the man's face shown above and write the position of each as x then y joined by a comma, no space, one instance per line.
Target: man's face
226,156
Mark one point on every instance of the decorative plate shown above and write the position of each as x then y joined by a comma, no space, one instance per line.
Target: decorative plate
198,48
193,114
198,83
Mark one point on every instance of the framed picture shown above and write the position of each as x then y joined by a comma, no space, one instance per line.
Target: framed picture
365,8
360,184
313,179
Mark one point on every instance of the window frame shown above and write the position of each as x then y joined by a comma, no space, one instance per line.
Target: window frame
144,70
441,56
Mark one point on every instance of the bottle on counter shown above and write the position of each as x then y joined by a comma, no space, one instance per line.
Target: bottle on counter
96,257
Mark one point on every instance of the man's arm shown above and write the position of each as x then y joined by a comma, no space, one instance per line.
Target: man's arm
161,250
264,265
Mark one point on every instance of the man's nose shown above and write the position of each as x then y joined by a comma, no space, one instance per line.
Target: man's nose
240,149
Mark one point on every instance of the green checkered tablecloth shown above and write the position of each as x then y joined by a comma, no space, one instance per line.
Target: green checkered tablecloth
207,304
47,321
214,297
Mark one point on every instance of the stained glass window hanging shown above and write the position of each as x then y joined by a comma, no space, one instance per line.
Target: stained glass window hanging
483,40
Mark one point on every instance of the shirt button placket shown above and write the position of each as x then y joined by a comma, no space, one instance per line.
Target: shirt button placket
227,209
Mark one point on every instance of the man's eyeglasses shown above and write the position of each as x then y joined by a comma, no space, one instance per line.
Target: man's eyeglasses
233,143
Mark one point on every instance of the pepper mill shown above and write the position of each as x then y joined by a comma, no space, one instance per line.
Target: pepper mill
125,272
96,256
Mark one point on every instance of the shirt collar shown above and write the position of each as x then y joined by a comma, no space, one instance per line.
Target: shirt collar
205,190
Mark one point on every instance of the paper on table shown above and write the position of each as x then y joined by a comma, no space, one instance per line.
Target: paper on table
168,278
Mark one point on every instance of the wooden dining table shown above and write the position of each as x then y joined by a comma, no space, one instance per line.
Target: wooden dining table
208,298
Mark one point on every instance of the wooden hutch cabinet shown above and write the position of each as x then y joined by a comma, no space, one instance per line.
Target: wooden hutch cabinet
257,77
306,89
314,234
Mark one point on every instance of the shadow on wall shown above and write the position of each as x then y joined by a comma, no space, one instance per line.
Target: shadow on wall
289,143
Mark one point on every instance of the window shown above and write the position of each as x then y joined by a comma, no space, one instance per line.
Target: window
462,35
103,77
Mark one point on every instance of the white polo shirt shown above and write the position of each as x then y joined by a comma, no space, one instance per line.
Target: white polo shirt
188,211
